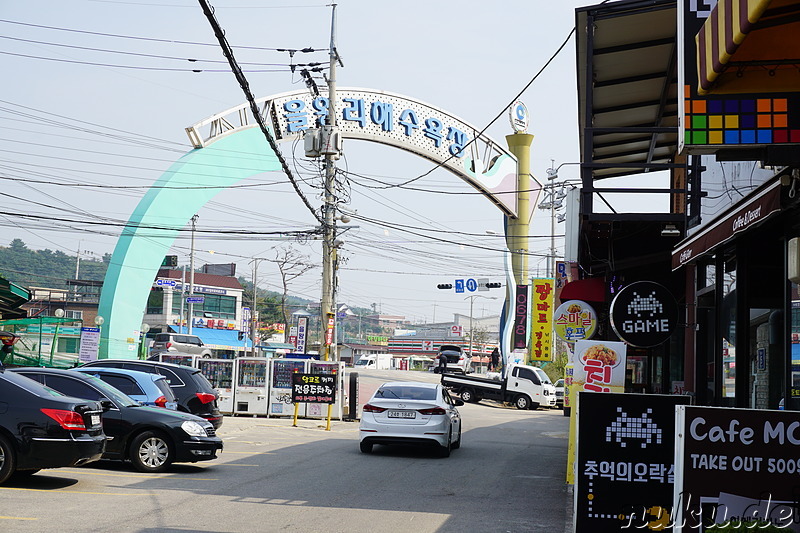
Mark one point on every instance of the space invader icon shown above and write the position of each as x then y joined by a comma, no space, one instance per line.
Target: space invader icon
626,427
650,303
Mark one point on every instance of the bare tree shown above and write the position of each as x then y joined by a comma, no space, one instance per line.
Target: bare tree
291,264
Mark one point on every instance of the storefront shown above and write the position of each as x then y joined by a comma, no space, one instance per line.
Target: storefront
737,269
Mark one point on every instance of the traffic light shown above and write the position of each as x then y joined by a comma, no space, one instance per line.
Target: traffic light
170,261
445,285
493,285
241,335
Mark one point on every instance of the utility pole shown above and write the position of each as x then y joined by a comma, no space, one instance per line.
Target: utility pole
253,312
191,277
329,148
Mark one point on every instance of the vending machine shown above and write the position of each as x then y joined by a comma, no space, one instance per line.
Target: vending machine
250,393
220,373
280,386
320,410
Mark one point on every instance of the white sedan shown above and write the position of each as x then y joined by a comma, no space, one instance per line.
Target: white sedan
409,412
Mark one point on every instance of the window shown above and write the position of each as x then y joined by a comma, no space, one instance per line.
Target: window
155,302
77,315
123,383
73,387
213,306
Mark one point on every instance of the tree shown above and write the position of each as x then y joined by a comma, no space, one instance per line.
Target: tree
291,265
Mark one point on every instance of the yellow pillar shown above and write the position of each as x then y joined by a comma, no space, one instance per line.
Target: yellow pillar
519,144
517,236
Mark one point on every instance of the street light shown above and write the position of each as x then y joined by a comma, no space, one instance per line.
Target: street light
143,342
471,302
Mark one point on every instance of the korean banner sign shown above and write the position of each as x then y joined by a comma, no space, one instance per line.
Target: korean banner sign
542,320
599,366
313,388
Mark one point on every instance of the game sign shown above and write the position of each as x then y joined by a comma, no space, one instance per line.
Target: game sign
624,466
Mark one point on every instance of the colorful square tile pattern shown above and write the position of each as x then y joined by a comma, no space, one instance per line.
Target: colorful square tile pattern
734,121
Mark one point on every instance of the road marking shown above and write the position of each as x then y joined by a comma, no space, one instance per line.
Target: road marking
146,476
16,518
251,453
73,492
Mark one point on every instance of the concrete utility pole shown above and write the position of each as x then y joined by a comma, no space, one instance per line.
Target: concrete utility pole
191,277
330,149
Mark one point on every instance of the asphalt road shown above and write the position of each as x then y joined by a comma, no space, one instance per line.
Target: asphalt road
507,477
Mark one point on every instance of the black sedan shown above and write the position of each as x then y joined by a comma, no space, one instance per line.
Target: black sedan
42,428
192,390
150,437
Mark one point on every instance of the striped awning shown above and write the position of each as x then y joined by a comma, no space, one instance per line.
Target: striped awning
749,46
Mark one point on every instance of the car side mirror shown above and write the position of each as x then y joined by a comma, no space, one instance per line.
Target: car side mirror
457,402
106,404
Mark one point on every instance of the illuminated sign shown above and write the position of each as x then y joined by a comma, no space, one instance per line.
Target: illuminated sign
542,320
575,320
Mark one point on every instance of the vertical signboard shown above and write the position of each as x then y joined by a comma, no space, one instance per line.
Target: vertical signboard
520,341
302,326
542,320
599,366
737,465
624,478
90,343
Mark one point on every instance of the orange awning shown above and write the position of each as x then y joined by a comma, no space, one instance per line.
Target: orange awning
749,46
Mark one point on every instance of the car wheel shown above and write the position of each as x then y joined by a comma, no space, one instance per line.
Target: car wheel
366,447
444,451
467,395
522,402
8,462
151,452
457,443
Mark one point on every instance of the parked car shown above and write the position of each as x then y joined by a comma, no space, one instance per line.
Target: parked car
411,413
192,390
177,342
42,428
144,387
559,385
150,437
457,360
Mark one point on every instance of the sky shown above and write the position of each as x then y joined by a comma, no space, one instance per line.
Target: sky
97,95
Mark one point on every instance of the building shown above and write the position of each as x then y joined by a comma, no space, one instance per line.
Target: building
216,311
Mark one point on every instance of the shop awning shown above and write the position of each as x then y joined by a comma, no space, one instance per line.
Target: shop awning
751,211
217,339
12,296
749,46
587,290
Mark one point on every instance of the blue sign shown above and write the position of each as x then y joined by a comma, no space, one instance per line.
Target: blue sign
472,285
195,299
459,285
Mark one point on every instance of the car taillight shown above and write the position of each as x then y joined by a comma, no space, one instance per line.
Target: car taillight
205,397
373,409
168,344
67,419
433,411
161,401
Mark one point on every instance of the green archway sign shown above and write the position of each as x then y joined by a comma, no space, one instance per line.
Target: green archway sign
229,147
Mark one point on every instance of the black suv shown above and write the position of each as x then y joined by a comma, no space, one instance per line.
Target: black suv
192,390
41,428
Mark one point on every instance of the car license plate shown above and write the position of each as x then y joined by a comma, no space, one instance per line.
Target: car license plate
402,414
95,420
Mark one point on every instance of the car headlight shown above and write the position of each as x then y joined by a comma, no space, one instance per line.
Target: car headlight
193,429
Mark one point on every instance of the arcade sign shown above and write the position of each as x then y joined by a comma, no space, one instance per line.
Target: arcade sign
644,314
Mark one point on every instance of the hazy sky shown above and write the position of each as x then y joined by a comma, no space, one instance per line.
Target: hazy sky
83,138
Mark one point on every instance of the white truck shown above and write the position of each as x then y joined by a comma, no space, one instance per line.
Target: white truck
527,387
380,361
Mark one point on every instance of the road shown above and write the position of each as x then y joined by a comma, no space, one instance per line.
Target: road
507,477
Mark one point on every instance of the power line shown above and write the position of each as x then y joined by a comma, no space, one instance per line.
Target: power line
306,50
228,52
